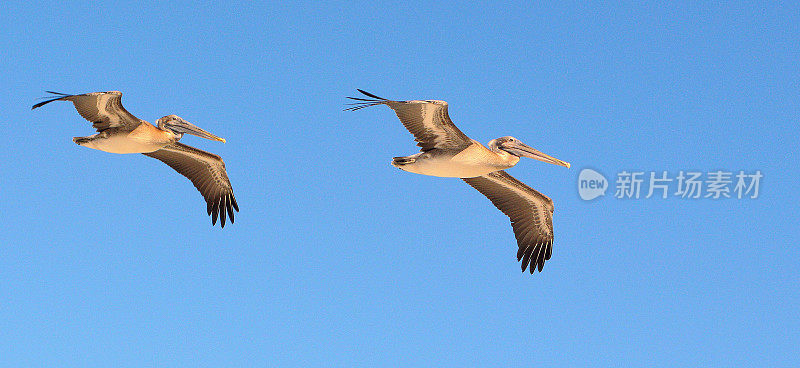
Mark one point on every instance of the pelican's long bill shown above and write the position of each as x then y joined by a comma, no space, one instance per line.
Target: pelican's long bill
183,126
520,149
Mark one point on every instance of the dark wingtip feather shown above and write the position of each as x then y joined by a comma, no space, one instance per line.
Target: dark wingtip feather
51,99
359,107
365,102
45,102
526,258
214,213
222,211
534,256
362,105
360,99
229,207
370,94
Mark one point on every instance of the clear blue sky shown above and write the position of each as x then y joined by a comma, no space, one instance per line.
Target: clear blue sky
339,259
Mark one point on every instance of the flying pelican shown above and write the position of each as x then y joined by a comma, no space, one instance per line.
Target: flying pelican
118,131
447,152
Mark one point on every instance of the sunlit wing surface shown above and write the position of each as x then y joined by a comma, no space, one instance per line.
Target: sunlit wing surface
531,215
427,120
103,109
207,173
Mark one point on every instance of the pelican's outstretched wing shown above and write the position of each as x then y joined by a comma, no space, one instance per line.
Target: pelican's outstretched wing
427,120
103,109
207,173
531,215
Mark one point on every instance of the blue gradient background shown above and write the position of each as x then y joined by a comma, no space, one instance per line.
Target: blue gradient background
338,259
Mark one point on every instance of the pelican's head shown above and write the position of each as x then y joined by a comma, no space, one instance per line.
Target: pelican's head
515,147
178,126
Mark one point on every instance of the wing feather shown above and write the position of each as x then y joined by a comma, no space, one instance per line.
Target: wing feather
427,120
207,173
531,215
103,109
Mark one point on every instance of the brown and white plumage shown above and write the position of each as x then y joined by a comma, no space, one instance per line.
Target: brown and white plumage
207,173
427,120
531,215
447,152
103,109
119,131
